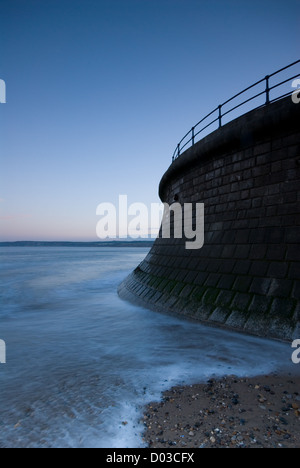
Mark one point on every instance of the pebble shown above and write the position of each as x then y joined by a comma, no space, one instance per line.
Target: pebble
216,420
283,421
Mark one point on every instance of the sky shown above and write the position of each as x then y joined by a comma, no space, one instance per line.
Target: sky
99,92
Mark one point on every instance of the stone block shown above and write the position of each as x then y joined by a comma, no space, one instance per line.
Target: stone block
178,288
258,252
293,235
260,285
228,251
288,208
181,275
187,290
296,332
242,237
226,265
259,268
242,267
296,290
201,278
257,236
171,302
219,315
213,279
197,294
274,235
237,320
276,252
280,288
210,296
204,312
191,276
224,298
277,270
257,324
281,329
262,148
226,282
259,305
294,272
241,301
282,307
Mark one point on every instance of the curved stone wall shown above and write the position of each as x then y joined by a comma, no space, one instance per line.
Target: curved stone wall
247,275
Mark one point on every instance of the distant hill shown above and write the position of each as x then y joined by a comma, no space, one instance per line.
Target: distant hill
141,243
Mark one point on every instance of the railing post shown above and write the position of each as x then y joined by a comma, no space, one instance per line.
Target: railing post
193,136
178,150
267,90
220,115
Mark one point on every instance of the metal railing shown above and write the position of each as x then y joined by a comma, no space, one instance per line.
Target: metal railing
190,137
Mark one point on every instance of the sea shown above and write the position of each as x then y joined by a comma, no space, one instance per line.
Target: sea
81,364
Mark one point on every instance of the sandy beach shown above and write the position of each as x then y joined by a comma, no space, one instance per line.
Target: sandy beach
260,412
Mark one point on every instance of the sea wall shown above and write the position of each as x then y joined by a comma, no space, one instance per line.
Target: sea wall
246,276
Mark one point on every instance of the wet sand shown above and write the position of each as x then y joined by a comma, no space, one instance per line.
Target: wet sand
231,412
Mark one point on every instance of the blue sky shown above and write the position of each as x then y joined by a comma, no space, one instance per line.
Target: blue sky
100,91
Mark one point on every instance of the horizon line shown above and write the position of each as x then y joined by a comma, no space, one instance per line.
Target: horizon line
108,241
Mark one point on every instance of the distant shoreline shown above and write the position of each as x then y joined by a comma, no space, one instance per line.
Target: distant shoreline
146,244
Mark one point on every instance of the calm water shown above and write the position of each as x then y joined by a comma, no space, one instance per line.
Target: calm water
80,362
